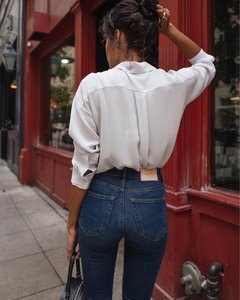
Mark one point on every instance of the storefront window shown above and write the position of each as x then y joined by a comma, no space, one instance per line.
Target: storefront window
61,94
226,133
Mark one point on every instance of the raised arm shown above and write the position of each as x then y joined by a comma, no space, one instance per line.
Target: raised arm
197,77
189,48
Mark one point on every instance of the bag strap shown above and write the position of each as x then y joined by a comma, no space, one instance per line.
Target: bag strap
70,270
78,268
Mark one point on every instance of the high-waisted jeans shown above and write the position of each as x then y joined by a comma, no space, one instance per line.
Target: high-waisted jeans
119,206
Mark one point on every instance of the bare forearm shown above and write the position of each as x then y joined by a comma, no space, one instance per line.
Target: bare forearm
183,43
77,196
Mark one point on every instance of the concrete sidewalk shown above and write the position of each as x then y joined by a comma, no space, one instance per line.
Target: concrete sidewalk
33,237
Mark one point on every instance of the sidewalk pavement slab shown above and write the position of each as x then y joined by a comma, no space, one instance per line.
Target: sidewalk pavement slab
59,265
27,275
17,245
51,294
51,237
33,238
12,225
8,210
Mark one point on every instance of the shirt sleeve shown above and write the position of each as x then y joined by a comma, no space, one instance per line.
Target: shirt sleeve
83,131
197,77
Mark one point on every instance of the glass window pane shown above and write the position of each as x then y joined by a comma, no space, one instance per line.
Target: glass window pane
61,94
226,143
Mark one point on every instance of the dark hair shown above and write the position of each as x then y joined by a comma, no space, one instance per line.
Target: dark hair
139,22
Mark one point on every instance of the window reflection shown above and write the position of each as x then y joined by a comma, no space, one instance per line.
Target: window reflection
61,95
226,151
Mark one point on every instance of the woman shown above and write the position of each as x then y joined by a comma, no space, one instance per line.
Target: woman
124,124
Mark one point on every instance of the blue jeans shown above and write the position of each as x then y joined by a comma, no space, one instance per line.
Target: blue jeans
119,205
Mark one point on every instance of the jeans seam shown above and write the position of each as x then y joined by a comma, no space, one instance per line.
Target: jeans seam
148,200
123,188
158,238
147,188
101,196
139,227
103,183
122,214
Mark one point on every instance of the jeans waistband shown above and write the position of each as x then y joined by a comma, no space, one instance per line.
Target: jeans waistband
124,173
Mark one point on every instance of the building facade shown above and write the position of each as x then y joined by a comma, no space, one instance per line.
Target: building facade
11,76
62,45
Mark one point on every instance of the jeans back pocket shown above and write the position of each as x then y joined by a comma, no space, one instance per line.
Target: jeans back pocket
95,213
150,217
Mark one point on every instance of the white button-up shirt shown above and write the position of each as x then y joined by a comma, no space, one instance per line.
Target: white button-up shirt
129,116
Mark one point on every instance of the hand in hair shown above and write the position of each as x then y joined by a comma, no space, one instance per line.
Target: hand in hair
164,18
183,43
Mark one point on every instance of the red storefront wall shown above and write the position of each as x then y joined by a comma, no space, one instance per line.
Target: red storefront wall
203,222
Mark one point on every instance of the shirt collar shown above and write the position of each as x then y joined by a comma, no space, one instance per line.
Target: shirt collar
135,67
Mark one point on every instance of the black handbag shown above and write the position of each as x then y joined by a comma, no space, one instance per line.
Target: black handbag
73,289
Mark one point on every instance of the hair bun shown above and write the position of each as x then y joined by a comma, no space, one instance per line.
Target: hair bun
148,9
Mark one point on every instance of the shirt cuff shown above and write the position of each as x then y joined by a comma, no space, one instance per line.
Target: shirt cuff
82,182
201,55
